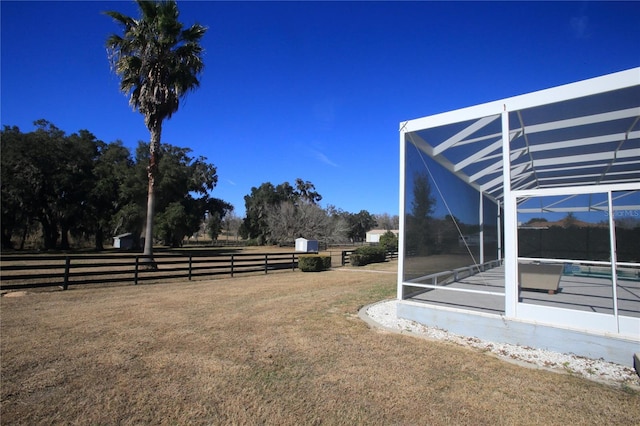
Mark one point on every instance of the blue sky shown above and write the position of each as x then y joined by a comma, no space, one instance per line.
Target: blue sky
310,90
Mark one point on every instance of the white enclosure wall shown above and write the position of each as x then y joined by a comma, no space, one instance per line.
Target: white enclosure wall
554,173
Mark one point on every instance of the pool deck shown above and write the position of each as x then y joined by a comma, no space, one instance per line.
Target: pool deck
591,294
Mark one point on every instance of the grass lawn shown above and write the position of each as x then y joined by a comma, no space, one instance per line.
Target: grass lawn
284,348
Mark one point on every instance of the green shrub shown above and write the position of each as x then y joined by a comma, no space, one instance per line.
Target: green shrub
389,241
374,253
367,254
356,259
326,262
314,262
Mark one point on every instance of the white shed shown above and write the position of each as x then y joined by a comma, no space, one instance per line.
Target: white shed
307,246
123,241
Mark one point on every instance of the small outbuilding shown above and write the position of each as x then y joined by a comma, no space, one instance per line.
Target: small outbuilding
374,235
123,241
307,246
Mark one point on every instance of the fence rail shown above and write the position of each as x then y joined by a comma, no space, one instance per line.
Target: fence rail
23,272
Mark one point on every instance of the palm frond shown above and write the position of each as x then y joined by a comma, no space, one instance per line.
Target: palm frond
120,18
194,33
157,61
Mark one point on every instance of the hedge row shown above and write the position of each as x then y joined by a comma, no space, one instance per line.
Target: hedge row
368,254
314,262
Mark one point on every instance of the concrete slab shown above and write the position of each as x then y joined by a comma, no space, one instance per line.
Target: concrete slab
496,328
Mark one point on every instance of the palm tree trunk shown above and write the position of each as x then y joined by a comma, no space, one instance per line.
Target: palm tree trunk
152,171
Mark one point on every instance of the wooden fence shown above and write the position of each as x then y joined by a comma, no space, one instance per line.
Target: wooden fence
22,272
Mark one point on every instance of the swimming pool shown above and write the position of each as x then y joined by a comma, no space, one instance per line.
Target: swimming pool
572,269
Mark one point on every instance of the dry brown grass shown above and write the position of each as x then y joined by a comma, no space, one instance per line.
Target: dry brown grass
284,348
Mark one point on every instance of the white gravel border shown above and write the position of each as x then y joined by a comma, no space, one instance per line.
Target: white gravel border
384,315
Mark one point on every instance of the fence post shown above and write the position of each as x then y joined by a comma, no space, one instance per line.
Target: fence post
232,265
293,262
343,256
135,275
67,264
266,262
189,267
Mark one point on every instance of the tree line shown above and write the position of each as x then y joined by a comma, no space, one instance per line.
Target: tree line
74,187
61,186
426,234
279,214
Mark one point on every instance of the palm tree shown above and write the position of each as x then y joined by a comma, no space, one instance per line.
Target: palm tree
158,62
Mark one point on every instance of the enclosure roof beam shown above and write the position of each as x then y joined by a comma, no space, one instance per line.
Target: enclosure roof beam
479,124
